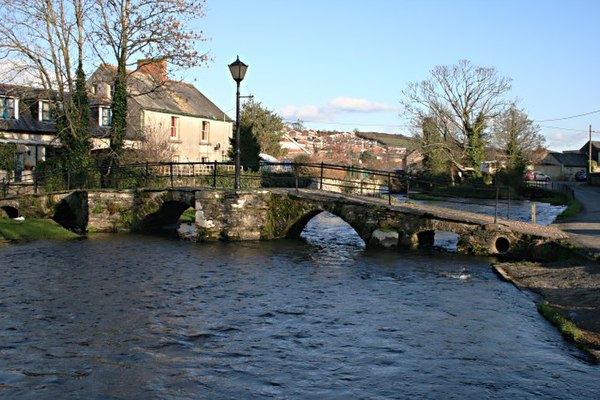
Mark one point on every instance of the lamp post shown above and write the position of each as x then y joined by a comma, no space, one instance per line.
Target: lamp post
238,71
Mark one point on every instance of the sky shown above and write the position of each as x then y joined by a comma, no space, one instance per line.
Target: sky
343,64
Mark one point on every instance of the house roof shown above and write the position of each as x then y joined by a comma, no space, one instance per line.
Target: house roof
586,146
166,95
570,159
25,123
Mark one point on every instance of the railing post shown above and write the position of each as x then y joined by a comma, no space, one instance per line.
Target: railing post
389,188
171,172
533,212
296,176
321,182
147,173
215,174
35,181
68,178
407,188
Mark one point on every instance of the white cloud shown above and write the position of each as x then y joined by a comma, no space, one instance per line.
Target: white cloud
351,104
305,113
334,107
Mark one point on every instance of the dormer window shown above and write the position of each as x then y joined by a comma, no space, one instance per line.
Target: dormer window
105,116
9,108
46,111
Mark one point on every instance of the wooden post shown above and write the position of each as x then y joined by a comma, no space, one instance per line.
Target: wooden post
533,212
171,172
508,205
496,207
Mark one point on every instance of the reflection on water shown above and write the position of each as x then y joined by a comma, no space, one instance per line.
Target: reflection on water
136,317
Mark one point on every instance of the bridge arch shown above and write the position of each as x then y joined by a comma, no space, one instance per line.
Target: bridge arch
296,227
11,212
165,217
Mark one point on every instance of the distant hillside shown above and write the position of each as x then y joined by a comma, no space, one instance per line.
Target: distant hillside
389,139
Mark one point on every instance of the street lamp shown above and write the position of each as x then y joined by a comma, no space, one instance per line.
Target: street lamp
238,71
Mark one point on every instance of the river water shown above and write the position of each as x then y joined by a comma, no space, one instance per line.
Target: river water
141,317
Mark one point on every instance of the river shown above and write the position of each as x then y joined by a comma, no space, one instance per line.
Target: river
142,317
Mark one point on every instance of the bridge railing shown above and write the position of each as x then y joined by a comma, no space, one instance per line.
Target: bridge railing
320,176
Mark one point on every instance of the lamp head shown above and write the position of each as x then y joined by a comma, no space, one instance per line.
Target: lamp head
238,70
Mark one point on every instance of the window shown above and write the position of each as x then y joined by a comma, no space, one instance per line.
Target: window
174,126
205,131
105,115
8,108
46,111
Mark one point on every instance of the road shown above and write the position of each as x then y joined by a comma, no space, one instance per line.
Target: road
584,228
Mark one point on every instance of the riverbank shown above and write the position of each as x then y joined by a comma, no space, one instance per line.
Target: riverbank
30,229
571,288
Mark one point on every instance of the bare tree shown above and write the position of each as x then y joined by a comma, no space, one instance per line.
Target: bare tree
462,100
153,145
149,29
517,136
44,40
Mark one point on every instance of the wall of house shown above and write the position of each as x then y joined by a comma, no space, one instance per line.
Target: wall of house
188,146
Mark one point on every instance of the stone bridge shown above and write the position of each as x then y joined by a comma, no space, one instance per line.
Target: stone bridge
265,214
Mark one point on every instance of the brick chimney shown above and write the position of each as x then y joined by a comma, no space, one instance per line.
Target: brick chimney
157,68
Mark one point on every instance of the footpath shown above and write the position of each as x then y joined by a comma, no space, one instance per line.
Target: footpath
571,286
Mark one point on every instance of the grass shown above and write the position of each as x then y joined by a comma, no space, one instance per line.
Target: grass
574,207
568,329
425,196
188,216
32,229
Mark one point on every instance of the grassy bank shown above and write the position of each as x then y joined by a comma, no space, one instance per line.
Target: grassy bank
574,207
554,315
32,229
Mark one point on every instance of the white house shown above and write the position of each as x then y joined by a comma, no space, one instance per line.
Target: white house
196,129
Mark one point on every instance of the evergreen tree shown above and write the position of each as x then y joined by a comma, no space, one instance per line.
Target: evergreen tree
266,127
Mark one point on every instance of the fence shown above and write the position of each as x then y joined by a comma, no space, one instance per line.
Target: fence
321,176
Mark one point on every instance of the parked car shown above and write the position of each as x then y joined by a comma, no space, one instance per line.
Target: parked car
536,176
540,176
581,176
529,176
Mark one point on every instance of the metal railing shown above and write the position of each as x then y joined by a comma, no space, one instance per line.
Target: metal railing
320,176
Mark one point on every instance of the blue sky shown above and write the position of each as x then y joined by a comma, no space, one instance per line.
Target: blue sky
343,64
